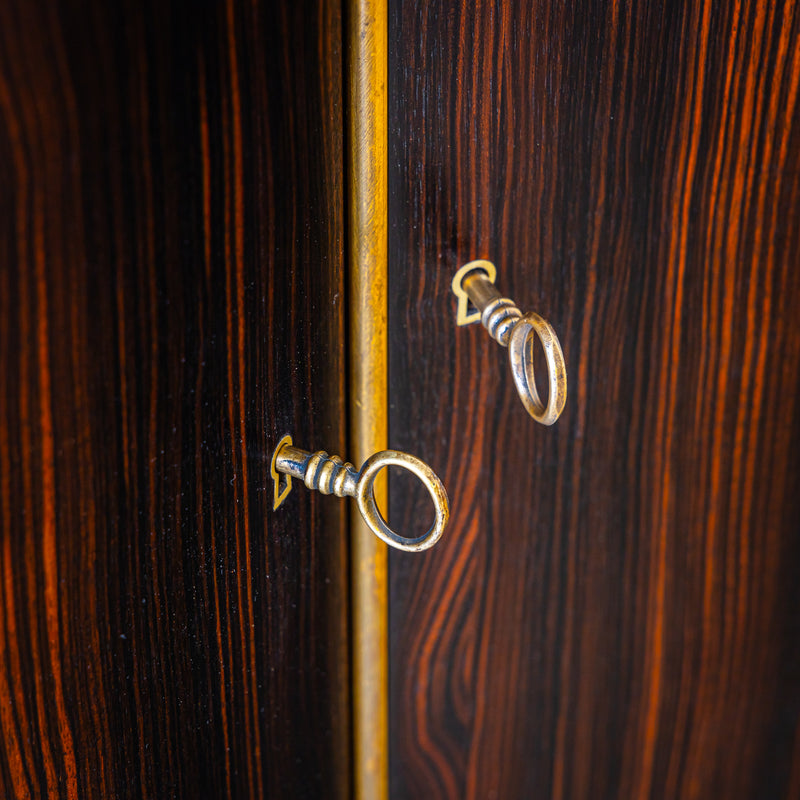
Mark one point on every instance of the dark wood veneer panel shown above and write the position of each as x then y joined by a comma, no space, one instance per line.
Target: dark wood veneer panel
171,283
614,610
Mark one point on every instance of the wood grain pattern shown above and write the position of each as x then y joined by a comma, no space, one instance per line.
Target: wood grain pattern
615,608
171,285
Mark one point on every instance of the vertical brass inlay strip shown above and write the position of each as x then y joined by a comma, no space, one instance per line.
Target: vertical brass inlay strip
367,27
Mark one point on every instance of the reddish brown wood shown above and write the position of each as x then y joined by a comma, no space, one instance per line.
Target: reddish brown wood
615,608
171,255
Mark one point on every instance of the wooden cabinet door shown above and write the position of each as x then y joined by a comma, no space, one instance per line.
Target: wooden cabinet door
614,611
171,304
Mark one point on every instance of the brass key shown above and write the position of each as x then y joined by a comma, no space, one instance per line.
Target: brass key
507,325
331,475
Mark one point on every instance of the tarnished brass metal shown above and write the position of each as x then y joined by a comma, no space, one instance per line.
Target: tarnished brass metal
507,325
463,315
331,475
367,76
281,482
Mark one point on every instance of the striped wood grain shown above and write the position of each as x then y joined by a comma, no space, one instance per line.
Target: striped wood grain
615,609
171,285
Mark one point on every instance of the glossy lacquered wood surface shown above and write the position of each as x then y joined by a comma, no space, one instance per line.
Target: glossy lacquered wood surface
171,286
614,610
